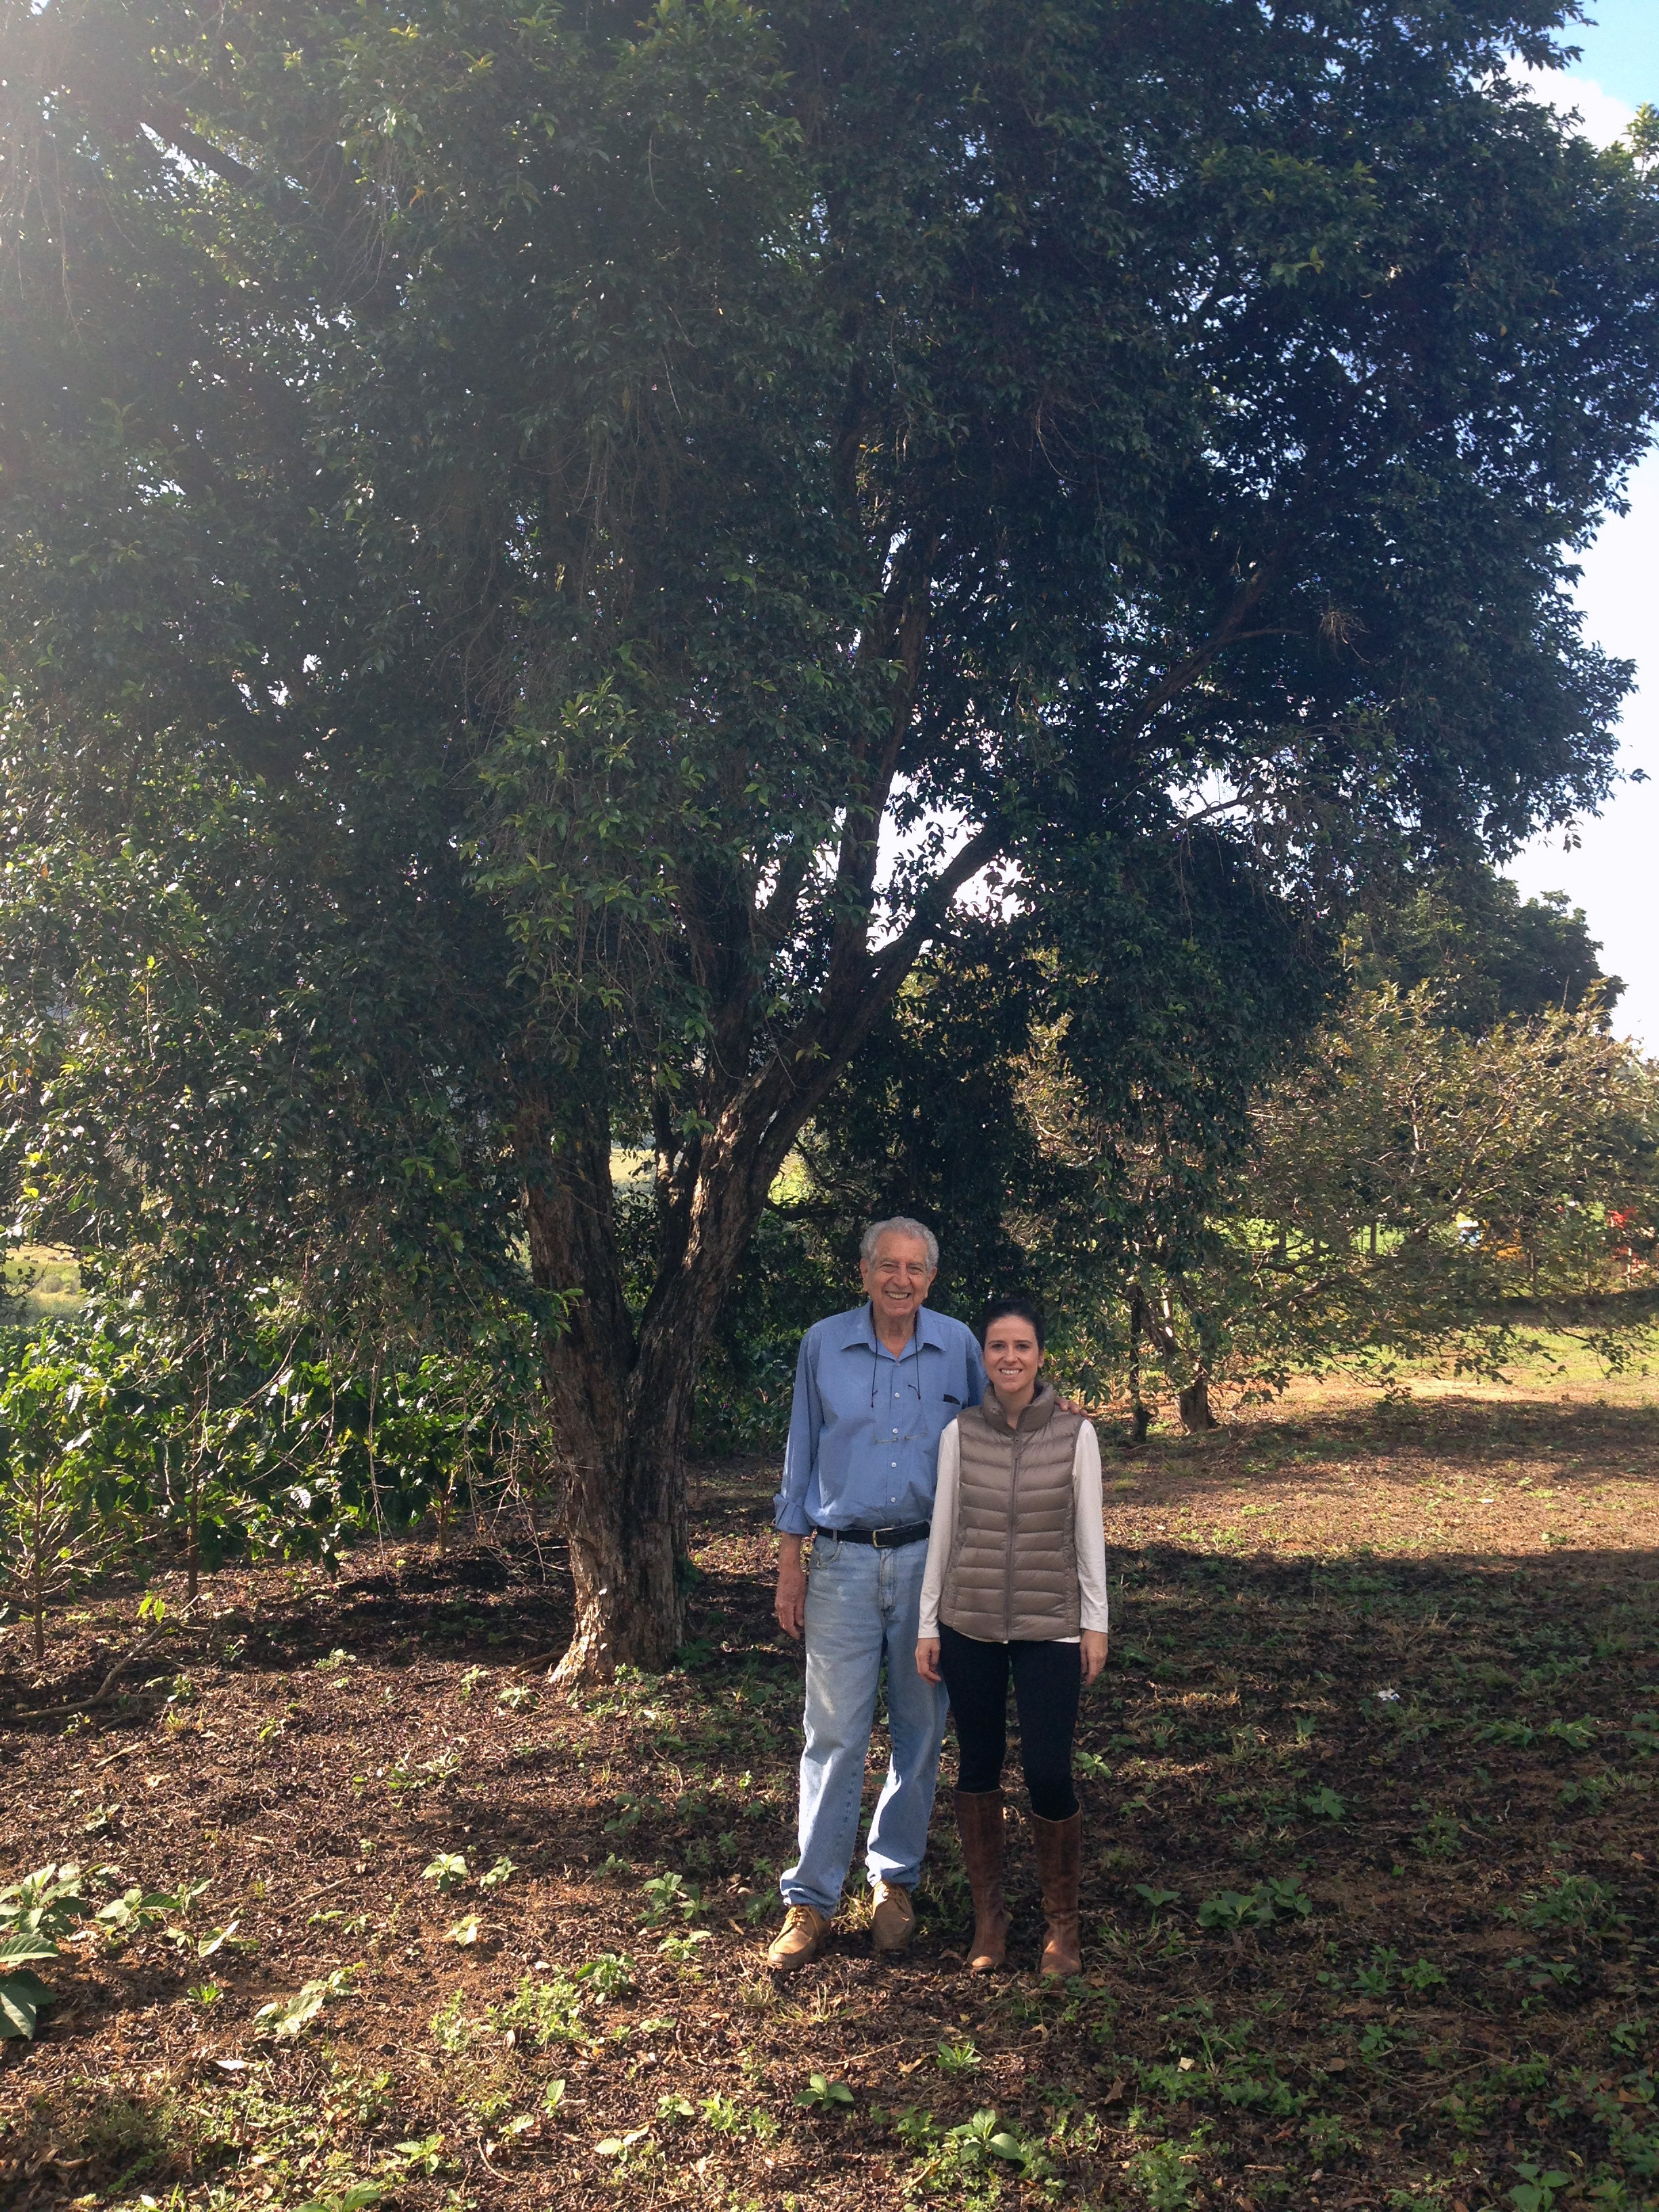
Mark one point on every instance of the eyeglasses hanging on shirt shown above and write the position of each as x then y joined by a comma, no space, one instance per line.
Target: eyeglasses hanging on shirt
904,1386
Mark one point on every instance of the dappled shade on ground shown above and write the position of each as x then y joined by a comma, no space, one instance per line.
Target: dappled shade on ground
1368,1876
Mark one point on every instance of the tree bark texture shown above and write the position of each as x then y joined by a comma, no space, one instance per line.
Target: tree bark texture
1195,1404
621,1395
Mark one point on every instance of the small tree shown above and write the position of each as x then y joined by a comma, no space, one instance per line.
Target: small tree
1412,1189
52,1532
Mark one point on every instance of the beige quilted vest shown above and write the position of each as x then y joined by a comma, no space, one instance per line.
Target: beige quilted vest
1011,1576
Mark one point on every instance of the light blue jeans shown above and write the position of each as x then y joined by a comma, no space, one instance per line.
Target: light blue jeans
861,1611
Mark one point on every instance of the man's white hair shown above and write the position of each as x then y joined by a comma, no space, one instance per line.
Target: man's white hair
900,1225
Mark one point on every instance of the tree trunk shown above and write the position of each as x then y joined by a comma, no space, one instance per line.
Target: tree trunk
1141,1413
1194,1403
622,1398
623,1410
1193,1399
625,1523
193,1534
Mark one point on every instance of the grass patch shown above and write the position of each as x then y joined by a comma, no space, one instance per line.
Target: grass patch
50,1280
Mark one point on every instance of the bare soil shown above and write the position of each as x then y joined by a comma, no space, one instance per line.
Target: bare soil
1369,1888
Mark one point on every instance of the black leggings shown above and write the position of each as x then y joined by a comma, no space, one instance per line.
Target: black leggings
1047,1682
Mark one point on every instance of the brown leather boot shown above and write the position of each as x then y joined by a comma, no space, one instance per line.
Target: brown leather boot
1059,1862
893,1923
979,1823
797,1943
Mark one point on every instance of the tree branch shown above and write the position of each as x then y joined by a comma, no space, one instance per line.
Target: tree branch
986,845
1228,632
169,125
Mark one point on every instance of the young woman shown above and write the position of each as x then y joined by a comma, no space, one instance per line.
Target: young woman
1016,1586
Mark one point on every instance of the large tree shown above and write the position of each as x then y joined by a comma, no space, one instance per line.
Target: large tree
602,465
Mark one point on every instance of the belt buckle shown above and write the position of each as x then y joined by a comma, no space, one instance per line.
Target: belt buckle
878,1537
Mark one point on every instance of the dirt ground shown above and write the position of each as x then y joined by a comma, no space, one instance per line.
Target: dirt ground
1368,1884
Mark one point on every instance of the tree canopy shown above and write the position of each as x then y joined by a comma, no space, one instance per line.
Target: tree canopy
1489,955
567,480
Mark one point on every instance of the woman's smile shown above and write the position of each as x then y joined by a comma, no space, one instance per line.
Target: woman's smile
1012,1356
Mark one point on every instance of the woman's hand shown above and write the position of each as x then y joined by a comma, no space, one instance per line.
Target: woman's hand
1094,1654
927,1659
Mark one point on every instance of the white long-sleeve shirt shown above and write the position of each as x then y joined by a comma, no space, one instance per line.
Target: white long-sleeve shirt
1091,1531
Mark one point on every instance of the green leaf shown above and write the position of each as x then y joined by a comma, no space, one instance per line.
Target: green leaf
285,2018
22,1997
19,1950
357,2198
822,2092
448,1869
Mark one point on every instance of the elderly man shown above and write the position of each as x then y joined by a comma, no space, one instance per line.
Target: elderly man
873,1390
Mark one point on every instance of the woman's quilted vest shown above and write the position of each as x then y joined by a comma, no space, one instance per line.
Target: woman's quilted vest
1012,1576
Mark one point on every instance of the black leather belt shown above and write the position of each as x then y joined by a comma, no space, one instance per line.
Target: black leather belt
885,1539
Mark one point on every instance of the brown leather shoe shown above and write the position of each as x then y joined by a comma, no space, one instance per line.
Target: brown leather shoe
797,1943
1059,1865
893,1923
979,1823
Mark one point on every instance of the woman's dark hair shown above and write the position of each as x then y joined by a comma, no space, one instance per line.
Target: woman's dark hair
1020,1310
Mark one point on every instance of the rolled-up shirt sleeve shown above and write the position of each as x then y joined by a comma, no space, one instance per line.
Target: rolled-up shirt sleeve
1091,1530
941,1536
800,1453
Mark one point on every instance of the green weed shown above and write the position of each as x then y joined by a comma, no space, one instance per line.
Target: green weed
1163,2174
285,2018
1535,2191
612,1974
1377,1979
357,2198
821,2094
669,1896
1572,1901
1327,2137
1438,1837
680,1949
544,2011
1268,1901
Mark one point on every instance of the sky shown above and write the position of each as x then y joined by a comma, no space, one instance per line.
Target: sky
1613,870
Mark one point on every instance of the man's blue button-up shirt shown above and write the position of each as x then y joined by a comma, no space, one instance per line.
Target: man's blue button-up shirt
865,1426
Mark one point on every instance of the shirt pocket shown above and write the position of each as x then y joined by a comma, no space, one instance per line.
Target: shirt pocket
934,1406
